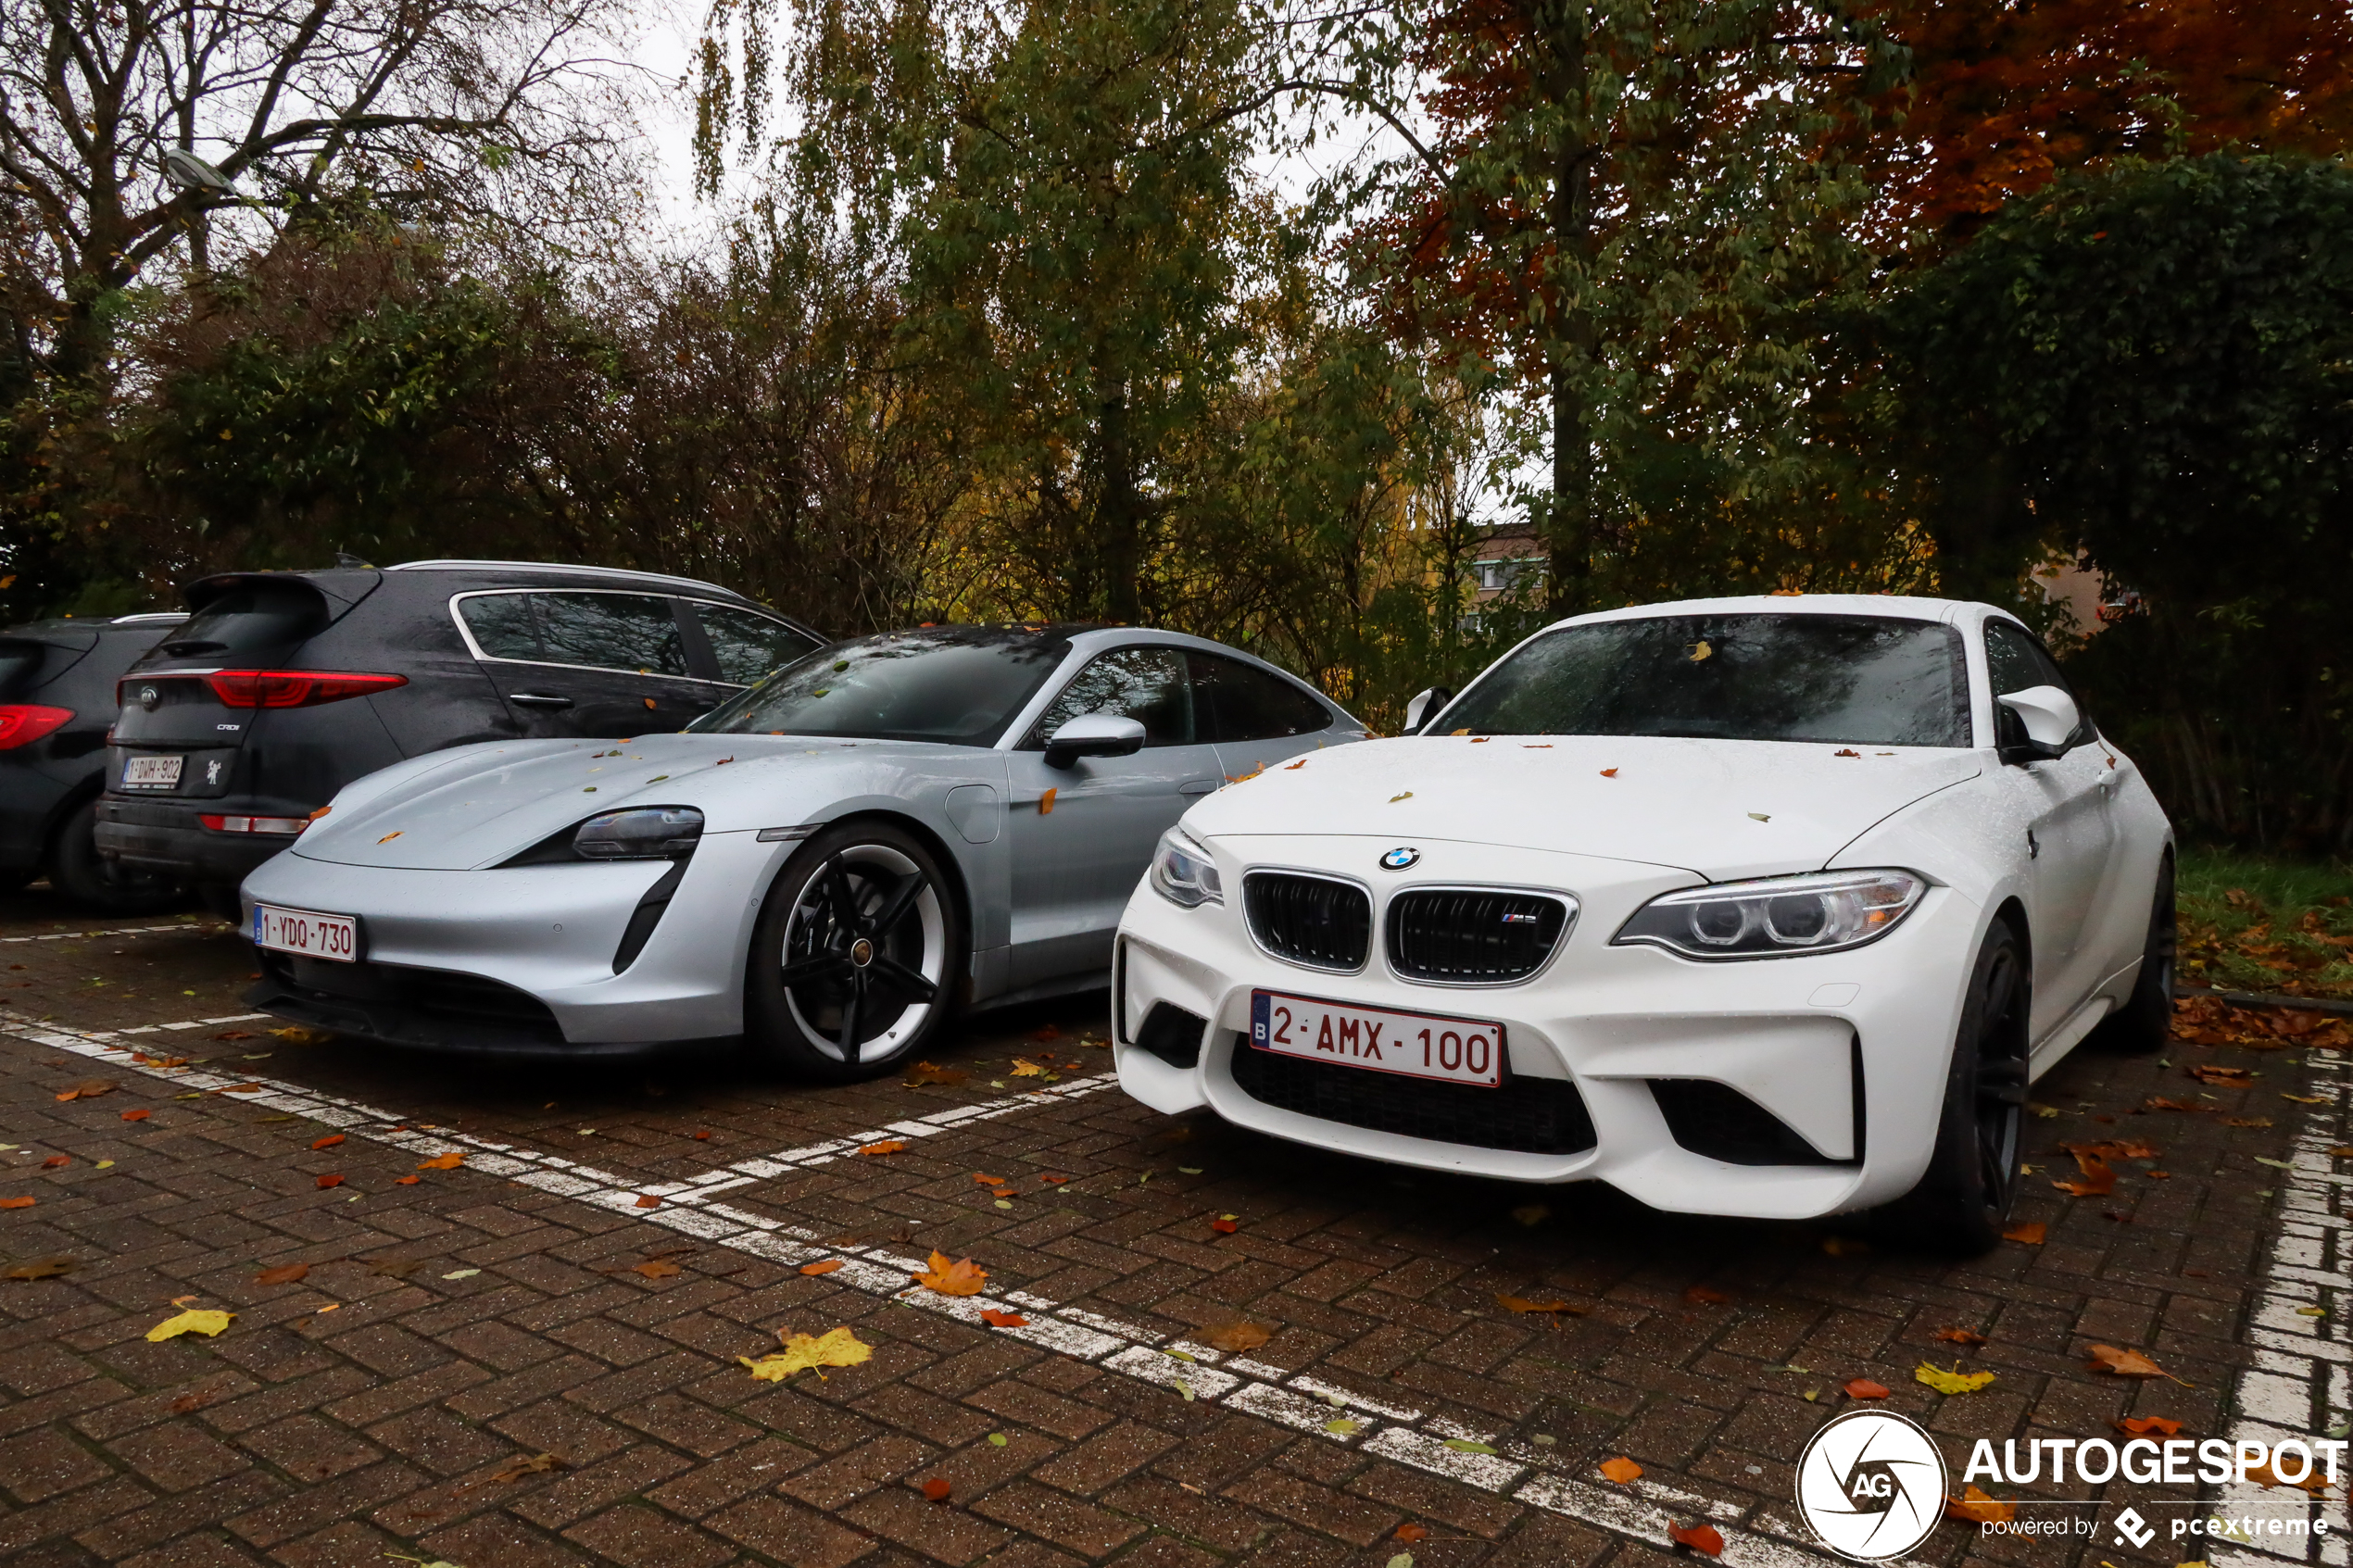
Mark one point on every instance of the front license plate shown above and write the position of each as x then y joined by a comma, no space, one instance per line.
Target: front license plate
1419,1044
152,772
307,931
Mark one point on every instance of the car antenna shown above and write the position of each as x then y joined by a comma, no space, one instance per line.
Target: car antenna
345,557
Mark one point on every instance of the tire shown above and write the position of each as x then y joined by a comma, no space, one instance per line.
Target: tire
2145,1023
857,957
1964,1197
77,870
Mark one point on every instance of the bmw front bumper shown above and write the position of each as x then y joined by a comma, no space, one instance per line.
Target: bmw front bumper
1781,1088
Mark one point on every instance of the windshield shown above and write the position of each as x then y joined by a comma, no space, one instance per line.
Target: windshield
959,685
1860,680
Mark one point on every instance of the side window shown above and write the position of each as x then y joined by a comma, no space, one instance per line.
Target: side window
1247,703
748,645
501,625
635,632
1142,684
2015,661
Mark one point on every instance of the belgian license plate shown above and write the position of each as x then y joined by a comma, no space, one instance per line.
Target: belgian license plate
152,772
307,931
1419,1044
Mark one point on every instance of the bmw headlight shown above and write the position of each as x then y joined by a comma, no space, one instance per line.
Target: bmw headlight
642,833
1183,873
1776,917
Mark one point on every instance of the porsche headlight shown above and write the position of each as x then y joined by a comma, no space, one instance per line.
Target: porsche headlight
1183,873
1776,917
642,832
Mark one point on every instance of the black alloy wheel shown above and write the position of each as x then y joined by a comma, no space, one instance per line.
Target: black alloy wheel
854,961
1964,1197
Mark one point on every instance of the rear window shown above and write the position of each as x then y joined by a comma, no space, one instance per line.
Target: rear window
1860,680
637,632
251,619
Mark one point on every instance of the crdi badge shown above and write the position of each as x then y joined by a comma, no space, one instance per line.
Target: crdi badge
1871,1484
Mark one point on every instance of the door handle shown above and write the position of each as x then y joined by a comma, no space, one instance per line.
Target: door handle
535,699
1198,787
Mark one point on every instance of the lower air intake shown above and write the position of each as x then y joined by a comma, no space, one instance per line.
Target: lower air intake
1525,1115
1722,1122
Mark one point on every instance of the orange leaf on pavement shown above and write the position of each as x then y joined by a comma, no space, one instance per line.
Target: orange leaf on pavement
1238,1335
1864,1388
1960,1336
1699,1537
656,1268
1621,1470
996,1319
1700,1295
16,1203
405,1181
2141,1425
329,1141
1054,1181
285,1276
2124,1364
1522,1304
140,1115
1224,1224
1975,1507
828,1266
2029,1234
331,1181
888,1146
647,1200
2208,1072
1409,1534
935,1488
961,1277
448,1161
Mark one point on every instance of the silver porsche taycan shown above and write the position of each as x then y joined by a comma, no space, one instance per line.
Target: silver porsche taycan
829,865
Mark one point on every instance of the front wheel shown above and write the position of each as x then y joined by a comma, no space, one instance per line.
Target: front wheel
1964,1197
855,958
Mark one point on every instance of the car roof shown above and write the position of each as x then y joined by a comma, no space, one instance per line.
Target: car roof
1901,607
557,568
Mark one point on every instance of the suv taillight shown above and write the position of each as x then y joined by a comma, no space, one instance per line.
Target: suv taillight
281,688
23,722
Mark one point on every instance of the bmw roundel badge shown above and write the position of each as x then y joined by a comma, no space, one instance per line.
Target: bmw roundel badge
1398,858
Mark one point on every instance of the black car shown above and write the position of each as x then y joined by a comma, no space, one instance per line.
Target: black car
57,698
283,687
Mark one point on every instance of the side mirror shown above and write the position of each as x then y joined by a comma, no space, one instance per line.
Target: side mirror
1094,734
2034,725
1424,706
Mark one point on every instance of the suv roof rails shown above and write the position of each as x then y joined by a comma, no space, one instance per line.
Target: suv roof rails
149,617
575,571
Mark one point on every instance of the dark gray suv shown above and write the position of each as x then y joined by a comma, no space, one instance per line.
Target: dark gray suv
283,687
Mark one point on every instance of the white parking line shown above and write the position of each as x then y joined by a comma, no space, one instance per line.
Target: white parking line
2301,1383
1322,1410
119,931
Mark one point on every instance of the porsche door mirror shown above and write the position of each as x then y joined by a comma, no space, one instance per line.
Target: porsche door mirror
1424,706
1094,734
2034,725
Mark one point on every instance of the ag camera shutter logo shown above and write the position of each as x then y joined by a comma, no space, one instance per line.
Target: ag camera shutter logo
1871,1484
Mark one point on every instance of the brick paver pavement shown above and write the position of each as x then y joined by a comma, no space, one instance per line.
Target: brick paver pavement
451,1330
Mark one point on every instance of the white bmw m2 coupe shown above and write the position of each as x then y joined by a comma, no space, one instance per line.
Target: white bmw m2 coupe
1768,907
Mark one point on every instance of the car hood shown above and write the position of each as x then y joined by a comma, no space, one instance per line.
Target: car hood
1719,809
479,805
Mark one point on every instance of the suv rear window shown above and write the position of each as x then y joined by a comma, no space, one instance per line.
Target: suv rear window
252,617
595,630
